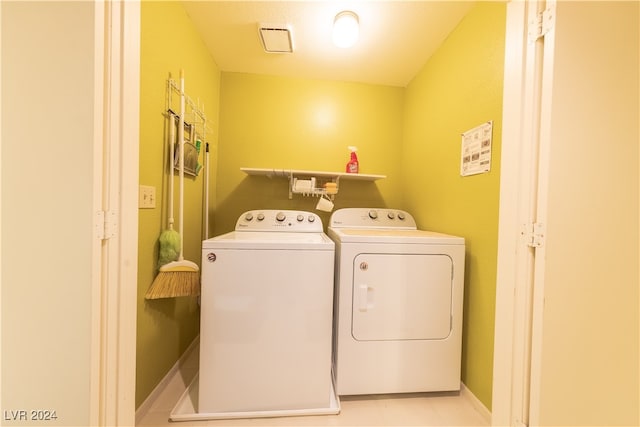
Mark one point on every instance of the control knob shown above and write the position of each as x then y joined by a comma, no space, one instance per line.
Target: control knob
280,217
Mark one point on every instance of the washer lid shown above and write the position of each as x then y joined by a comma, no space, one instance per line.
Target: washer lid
361,235
269,240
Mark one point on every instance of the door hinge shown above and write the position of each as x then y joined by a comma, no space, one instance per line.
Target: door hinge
542,23
533,234
106,224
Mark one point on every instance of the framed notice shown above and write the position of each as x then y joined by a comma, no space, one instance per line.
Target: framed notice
476,150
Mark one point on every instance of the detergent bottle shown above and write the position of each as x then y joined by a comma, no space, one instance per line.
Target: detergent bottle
352,166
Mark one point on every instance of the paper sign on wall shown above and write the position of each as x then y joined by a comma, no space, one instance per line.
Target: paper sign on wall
476,150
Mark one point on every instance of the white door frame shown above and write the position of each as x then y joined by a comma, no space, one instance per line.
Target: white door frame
116,164
523,195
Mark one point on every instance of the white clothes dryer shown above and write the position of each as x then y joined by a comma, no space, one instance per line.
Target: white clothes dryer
266,318
398,304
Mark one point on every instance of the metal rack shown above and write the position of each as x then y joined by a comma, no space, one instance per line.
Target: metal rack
195,127
194,115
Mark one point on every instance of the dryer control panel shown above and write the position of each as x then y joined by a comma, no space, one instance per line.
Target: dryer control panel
279,220
372,218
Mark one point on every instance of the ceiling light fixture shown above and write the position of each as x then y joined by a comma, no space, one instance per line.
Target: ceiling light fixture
345,29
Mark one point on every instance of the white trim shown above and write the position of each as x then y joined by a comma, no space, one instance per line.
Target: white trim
484,412
127,181
164,383
95,388
0,192
527,93
544,147
114,272
517,192
509,206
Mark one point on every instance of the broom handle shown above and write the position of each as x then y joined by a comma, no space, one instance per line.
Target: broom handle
206,191
172,140
181,142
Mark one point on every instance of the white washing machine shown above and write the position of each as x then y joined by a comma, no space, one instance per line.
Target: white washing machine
398,304
266,318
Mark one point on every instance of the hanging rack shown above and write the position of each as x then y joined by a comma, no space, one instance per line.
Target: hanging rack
195,108
195,123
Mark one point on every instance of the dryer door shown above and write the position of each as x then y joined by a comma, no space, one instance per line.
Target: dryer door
402,297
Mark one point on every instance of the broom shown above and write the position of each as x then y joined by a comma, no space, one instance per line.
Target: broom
181,277
169,239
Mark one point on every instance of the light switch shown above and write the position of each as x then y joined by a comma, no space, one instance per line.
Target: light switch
147,197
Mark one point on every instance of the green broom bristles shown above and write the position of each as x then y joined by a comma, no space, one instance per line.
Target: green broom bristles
169,242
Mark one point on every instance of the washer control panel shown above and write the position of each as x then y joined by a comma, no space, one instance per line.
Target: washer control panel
372,218
279,220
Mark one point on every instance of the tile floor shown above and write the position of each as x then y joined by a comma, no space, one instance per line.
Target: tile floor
419,409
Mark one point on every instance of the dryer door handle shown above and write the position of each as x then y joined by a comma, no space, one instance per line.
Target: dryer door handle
364,296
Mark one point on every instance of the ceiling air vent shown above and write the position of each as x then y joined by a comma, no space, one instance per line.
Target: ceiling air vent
276,38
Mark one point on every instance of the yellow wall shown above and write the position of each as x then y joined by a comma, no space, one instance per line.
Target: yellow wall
168,43
459,88
289,123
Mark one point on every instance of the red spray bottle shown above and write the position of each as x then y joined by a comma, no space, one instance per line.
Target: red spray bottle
352,166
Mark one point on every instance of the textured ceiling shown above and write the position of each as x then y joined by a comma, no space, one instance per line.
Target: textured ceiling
396,37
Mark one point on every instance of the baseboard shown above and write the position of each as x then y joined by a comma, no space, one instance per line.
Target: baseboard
143,409
477,404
